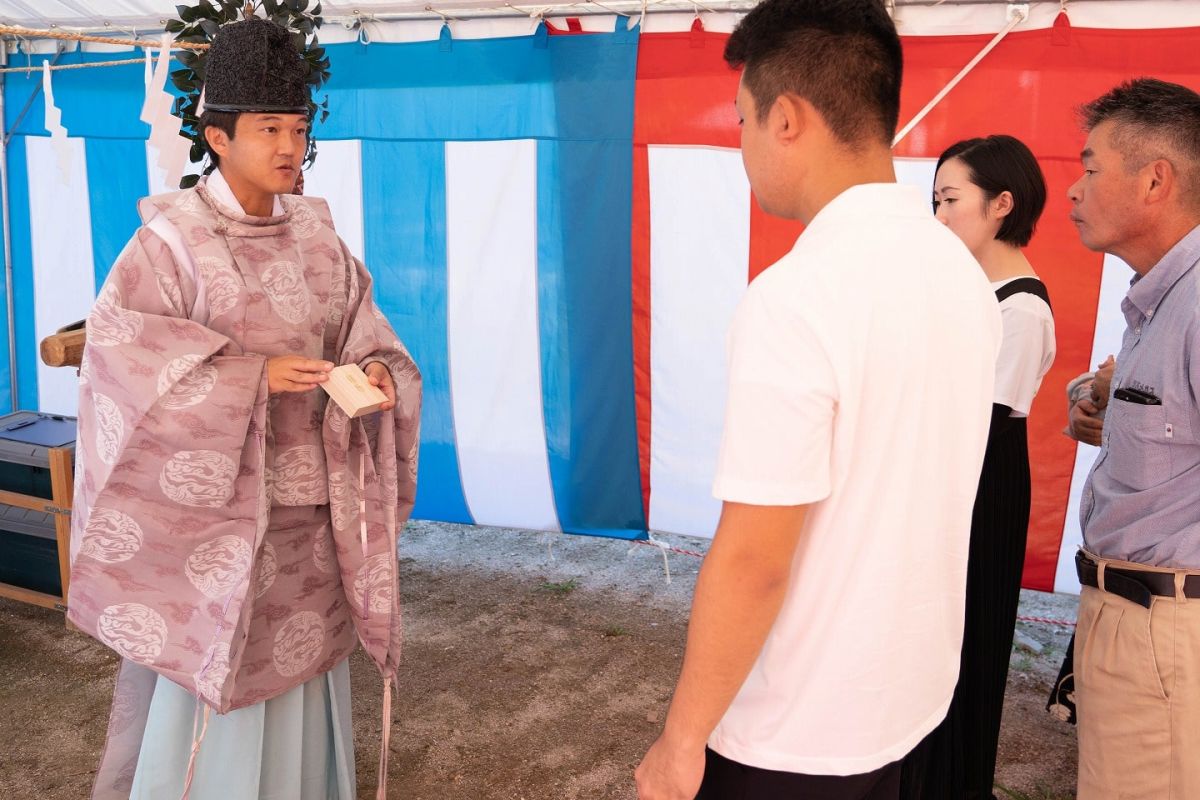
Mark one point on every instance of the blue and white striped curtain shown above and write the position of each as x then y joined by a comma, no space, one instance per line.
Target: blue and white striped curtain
487,185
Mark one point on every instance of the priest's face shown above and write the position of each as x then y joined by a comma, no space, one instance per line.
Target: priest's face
263,158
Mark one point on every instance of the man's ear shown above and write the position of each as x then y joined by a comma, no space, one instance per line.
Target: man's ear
218,140
790,116
1159,180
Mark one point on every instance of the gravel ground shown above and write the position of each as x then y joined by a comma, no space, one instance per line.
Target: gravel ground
537,666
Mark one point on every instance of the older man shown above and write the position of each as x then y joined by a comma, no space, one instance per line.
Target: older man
1138,648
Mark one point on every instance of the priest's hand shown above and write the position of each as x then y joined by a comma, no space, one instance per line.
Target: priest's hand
296,374
379,375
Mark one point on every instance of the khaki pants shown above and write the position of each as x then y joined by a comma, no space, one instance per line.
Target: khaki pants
1137,680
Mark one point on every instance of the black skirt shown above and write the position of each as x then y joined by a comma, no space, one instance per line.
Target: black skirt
958,759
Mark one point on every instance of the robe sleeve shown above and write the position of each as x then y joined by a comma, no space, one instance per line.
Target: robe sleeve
370,337
372,463
169,475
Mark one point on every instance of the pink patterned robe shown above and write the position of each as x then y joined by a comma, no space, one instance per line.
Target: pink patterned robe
234,542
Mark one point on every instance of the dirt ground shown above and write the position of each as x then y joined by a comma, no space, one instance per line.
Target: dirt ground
538,667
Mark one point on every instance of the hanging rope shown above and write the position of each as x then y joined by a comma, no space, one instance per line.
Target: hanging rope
57,67
32,33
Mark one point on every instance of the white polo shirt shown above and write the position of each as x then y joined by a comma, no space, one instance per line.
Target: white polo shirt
861,370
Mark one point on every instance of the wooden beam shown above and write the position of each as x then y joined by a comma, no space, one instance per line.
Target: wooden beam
30,502
24,595
64,349
62,491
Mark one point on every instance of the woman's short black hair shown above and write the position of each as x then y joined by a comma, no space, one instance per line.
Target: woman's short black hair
1000,163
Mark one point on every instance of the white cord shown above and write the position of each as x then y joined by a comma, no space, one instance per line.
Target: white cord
1018,18
550,537
663,548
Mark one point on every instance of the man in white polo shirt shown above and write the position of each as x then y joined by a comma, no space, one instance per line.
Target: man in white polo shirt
827,620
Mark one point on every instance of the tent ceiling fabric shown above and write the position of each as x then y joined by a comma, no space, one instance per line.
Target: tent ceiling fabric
912,16
90,13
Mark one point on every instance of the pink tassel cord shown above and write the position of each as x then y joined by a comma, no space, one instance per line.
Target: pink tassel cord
196,740
381,792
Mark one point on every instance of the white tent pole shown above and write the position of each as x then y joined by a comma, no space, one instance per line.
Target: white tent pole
1017,17
8,266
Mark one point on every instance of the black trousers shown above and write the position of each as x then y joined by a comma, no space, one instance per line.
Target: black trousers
729,780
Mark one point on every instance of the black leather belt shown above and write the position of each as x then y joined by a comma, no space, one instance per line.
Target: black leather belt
1136,586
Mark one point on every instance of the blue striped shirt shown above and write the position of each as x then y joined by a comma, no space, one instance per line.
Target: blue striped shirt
1141,502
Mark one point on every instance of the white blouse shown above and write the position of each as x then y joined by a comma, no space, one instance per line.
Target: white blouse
1026,352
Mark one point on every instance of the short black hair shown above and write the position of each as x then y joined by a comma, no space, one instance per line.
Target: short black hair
1153,119
221,120
1000,163
843,56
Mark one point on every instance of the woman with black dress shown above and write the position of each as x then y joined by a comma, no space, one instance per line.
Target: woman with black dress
990,193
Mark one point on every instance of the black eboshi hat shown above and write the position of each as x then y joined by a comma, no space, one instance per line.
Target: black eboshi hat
253,66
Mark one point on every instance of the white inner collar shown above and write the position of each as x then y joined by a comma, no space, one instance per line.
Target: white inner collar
218,187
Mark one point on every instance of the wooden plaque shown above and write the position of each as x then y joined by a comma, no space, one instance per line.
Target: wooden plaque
352,391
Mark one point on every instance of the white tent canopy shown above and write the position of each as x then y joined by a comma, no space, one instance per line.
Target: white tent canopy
406,20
